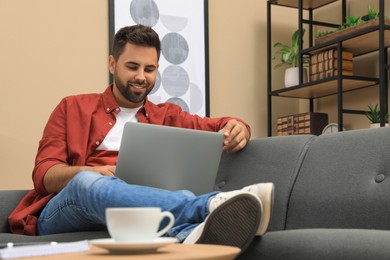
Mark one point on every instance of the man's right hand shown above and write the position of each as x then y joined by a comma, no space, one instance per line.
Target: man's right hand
106,170
59,175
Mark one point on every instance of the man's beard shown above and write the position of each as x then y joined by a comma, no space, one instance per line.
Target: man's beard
131,96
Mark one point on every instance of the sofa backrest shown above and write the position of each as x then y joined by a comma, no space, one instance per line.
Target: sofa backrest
8,201
275,159
344,182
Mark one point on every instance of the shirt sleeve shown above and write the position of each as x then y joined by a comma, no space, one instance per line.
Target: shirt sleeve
52,147
175,116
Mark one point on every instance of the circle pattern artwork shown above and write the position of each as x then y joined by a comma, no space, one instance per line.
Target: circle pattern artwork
180,102
174,48
144,12
196,101
174,23
175,80
156,84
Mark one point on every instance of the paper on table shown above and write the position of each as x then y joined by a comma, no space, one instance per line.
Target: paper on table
44,249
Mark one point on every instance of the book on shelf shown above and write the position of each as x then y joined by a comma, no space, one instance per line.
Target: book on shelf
301,124
329,65
329,73
326,64
330,54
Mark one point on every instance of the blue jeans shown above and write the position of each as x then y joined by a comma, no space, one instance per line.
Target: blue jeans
81,205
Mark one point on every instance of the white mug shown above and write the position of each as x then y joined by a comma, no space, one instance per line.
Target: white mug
137,224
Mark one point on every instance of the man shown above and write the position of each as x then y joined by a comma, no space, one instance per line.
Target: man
74,178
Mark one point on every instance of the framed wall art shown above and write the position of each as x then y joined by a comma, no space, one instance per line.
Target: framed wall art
183,76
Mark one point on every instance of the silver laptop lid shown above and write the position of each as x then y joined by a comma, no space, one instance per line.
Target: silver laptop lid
169,157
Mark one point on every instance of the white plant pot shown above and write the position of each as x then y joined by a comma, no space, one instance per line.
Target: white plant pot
291,77
376,125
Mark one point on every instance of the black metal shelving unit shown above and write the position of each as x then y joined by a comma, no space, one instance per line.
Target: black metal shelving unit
371,39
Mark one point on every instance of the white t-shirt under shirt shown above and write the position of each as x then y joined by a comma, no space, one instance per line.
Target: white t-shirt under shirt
113,139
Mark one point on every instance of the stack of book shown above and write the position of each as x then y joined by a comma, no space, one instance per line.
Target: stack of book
302,124
325,64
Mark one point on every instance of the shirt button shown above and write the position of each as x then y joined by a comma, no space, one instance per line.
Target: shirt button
97,142
109,123
108,109
117,109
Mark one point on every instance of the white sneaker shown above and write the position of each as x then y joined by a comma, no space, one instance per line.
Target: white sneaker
265,192
222,197
193,237
233,220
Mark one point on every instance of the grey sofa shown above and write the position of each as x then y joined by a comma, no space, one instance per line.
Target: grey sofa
332,196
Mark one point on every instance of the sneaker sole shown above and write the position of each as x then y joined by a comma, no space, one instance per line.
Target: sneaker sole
233,223
267,203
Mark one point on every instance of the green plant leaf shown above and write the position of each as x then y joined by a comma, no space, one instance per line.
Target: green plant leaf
294,40
352,20
374,114
289,54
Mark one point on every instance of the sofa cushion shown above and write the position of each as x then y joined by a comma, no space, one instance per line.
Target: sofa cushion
8,201
320,244
344,182
274,159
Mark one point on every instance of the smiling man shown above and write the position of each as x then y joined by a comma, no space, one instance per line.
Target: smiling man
138,67
74,178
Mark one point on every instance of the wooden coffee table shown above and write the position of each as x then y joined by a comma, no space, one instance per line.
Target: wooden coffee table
171,252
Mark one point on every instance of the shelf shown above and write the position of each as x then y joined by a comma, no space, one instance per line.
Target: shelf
362,41
325,87
307,4
369,37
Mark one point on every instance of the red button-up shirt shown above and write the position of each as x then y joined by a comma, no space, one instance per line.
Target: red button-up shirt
76,128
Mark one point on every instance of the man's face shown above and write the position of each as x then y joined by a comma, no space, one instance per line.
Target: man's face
135,74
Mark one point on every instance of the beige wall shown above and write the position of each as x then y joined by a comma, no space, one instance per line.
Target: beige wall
238,61
48,49
284,23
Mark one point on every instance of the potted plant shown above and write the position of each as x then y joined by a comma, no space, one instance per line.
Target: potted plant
374,116
352,20
289,55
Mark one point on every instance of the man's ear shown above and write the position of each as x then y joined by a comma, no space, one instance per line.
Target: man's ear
111,64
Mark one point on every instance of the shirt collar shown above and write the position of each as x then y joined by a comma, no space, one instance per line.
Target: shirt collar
109,101
146,107
111,105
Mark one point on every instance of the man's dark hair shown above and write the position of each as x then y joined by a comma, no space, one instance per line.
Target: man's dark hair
138,35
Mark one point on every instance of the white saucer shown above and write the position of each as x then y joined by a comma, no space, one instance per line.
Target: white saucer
132,247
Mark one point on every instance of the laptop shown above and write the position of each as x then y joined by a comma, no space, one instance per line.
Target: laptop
169,158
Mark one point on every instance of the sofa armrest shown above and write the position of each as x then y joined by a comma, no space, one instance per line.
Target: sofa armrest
9,199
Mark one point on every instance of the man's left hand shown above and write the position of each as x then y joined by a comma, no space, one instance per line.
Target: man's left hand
236,136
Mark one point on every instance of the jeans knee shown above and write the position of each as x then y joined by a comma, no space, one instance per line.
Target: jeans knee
86,176
186,193
84,180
